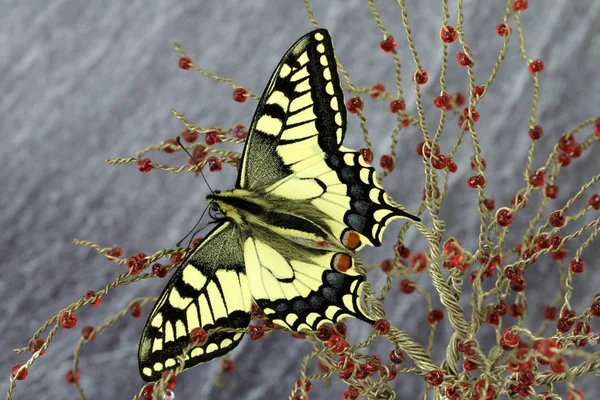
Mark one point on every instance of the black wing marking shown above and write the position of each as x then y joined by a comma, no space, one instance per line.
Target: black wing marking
209,290
300,118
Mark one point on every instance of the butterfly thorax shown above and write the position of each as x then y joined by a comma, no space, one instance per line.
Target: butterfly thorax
253,212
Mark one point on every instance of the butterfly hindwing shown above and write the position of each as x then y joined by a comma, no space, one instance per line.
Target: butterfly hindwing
302,288
209,290
345,187
300,117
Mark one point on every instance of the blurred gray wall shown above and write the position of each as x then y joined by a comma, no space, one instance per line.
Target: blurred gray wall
84,81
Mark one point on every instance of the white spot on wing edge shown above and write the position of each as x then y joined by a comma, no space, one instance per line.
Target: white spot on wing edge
147,371
319,36
321,48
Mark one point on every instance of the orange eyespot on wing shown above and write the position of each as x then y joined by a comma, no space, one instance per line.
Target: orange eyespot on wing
351,239
342,262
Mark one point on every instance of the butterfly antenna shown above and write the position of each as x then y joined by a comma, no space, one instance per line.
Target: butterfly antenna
192,230
192,157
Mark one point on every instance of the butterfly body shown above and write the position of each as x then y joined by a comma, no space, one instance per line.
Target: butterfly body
297,185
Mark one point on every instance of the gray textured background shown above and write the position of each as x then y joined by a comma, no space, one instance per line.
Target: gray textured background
83,82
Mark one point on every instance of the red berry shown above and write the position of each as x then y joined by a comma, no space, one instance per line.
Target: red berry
256,331
403,251
90,294
516,310
566,144
377,90
550,312
490,204
198,336
240,94
337,344
504,217
67,320
435,315
227,365
536,132
536,66
176,258
537,178
576,394
471,114
470,364
367,155
388,44
459,98
556,219
324,332
551,191
159,270
387,266
185,63
190,136
407,286
396,106
476,181
354,105
307,385
451,165
386,162
474,162
520,5
35,346
442,101
212,137
382,326
397,356
594,201
144,165
135,310
197,241
171,379
419,263
503,30
147,392
72,377
135,264
519,285
479,91
88,333
435,377
172,145
463,59
492,318
595,307
511,338
115,252
389,372
577,266
448,34
564,159
19,375
421,77
214,164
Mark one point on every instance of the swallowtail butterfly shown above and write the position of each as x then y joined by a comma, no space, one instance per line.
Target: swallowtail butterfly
297,185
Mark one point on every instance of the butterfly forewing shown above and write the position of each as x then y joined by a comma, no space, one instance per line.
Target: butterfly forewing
300,117
210,290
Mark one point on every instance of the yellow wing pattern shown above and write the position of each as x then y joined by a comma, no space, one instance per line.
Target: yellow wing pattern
210,290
